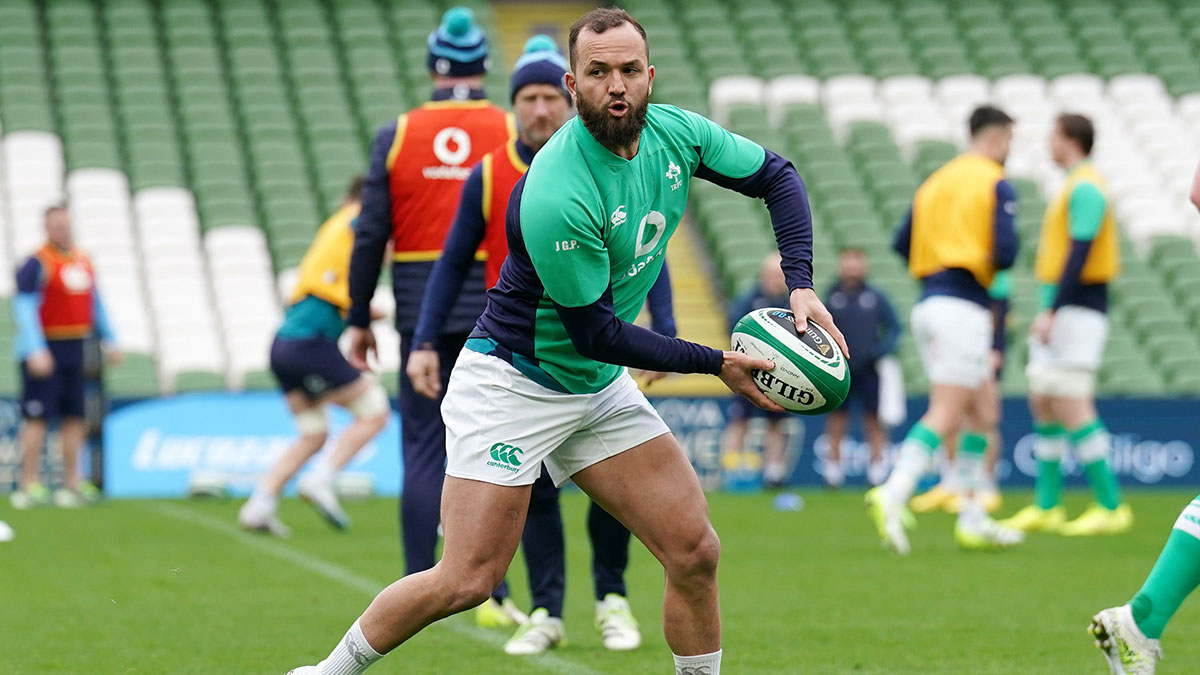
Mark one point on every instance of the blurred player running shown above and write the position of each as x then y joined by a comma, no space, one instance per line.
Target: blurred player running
541,105
312,372
543,377
983,413
957,234
1078,255
1128,635
418,165
56,310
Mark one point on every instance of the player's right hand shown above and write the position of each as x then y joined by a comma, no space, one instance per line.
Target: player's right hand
424,369
735,373
362,345
40,364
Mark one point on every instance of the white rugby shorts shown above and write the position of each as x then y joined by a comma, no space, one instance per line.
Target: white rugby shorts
1066,365
954,339
501,426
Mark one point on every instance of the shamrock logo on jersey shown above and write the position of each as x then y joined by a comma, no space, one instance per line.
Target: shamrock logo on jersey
673,172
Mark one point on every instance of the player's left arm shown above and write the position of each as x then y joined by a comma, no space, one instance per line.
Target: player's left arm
26,305
738,164
999,293
1085,215
372,230
1005,243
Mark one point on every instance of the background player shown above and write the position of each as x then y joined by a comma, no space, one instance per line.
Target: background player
418,165
312,372
528,387
871,328
541,105
1078,255
57,308
770,291
958,232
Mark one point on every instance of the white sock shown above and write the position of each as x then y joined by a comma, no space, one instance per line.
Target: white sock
702,664
914,458
352,655
321,472
775,472
970,470
262,499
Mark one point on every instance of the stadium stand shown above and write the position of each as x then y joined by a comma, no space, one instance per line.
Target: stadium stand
200,142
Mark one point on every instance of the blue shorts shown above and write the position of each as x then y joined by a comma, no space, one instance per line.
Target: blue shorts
313,365
60,394
741,409
864,389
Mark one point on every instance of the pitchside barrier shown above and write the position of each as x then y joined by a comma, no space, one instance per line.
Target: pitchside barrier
159,447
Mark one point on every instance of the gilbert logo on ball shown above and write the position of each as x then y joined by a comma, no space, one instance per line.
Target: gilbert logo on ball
810,376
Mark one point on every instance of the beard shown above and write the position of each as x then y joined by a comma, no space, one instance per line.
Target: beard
614,132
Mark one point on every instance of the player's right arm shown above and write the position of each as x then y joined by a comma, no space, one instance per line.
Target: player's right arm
445,282
577,279
31,339
372,230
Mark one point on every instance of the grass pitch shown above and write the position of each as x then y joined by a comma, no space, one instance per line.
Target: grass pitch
175,587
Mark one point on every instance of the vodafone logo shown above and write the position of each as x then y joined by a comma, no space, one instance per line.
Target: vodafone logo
76,278
452,147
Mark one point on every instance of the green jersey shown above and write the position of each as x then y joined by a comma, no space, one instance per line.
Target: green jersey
587,228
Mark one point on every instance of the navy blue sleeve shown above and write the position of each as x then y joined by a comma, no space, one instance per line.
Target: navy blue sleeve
890,329
598,334
372,229
999,324
29,276
1068,285
778,183
902,241
458,254
1004,238
661,302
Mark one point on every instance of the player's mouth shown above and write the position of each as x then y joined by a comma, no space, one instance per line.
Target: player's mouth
618,108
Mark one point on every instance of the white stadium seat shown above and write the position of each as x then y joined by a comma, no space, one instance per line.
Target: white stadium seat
788,90
733,90
905,88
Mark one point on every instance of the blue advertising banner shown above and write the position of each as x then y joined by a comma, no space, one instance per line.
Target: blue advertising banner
156,447
1154,442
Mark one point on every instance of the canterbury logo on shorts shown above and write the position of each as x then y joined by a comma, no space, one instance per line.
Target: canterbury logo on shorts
504,456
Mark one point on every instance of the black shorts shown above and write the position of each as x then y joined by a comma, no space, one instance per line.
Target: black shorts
864,390
313,365
60,394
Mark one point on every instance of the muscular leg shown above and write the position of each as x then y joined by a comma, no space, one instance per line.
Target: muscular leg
1092,446
947,405
1049,446
876,435
482,524
545,550
654,491
32,439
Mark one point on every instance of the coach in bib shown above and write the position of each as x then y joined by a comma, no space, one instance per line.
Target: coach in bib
543,377
418,165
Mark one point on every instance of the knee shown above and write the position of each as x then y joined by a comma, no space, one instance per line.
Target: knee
466,589
316,439
695,562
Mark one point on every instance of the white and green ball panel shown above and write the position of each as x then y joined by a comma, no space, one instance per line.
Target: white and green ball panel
810,376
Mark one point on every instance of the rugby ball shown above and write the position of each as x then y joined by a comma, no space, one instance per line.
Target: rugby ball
810,376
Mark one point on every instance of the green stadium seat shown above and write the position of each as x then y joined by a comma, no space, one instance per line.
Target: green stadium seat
259,380
187,382
135,377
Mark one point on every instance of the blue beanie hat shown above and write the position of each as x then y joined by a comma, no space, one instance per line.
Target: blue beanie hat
540,64
458,48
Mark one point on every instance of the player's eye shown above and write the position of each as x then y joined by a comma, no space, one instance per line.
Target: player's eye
596,72
630,71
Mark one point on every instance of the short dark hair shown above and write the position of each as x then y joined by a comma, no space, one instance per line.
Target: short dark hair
599,20
355,189
1079,129
986,116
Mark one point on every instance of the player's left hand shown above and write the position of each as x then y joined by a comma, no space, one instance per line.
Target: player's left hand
649,377
807,306
1040,328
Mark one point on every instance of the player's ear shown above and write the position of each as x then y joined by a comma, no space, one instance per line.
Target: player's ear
569,80
650,85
